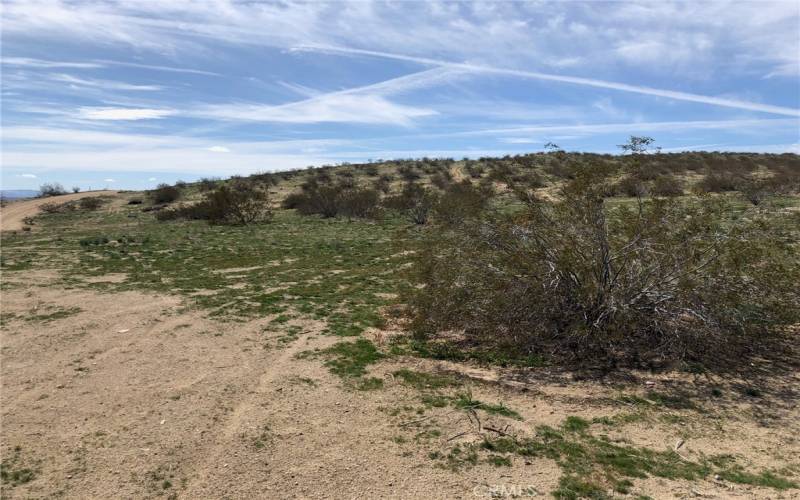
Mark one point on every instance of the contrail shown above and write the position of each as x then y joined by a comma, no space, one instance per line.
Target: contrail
591,82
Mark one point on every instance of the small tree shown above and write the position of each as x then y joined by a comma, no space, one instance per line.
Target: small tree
637,144
51,189
76,189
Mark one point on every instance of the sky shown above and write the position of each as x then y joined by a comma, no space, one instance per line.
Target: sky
129,94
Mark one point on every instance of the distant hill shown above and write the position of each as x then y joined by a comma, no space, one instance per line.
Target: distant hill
13,194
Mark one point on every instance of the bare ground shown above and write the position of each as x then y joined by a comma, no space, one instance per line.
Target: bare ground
13,214
136,396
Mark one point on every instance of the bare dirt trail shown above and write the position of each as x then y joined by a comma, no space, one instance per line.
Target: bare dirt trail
13,215
133,396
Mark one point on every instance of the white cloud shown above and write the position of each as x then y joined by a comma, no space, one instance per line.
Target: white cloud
109,180
692,37
122,113
27,176
219,149
519,140
151,179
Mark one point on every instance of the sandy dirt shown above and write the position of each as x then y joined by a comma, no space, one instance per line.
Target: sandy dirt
136,396
13,214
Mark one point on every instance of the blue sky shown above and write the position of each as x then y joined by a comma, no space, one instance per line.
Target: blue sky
132,93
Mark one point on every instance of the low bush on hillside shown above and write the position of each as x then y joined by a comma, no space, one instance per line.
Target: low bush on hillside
667,185
415,202
461,201
630,186
408,173
237,203
90,203
720,182
645,283
384,183
335,200
54,208
207,183
164,193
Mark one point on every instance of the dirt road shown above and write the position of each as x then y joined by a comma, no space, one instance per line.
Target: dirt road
13,214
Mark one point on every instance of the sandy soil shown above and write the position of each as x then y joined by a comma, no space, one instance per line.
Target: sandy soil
13,214
135,396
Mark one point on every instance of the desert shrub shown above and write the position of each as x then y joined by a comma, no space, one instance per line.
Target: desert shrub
408,173
644,283
667,185
719,182
52,208
237,203
293,201
474,170
630,186
785,179
441,180
335,200
319,199
90,203
347,182
51,189
527,180
383,183
359,203
164,193
460,202
371,170
502,172
207,183
558,168
414,201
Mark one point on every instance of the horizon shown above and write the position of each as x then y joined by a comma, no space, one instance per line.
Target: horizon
127,96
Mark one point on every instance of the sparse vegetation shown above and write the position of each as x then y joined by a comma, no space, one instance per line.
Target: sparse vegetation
537,262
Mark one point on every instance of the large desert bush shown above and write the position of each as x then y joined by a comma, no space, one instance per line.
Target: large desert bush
414,201
164,193
332,200
643,282
237,203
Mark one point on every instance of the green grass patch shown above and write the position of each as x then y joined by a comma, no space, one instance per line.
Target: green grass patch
350,359
465,401
591,465
424,381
